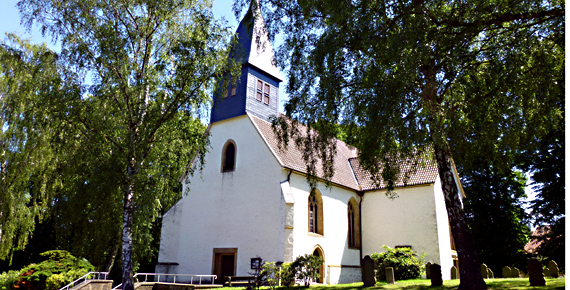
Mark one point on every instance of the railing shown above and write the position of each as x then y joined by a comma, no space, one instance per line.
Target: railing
212,278
84,277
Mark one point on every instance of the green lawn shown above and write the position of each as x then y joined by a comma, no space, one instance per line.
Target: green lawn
421,284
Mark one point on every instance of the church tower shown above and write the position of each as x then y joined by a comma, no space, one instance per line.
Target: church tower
257,89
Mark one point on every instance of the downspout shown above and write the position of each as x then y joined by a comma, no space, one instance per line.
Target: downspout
361,195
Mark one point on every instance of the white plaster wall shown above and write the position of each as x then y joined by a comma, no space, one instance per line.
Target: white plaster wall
343,275
243,209
445,256
334,242
410,219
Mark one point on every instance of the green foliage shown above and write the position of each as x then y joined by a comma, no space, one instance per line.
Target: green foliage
56,281
131,130
306,268
548,180
271,273
406,263
421,80
60,263
287,275
28,79
9,279
495,209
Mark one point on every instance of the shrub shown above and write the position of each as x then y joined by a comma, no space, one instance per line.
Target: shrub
271,272
287,275
57,262
406,263
8,279
306,268
56,281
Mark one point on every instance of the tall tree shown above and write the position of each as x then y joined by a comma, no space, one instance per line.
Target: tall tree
495,209
28,78
421,79
152,65
548,178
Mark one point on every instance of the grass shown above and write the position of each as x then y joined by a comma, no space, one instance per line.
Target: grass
424,284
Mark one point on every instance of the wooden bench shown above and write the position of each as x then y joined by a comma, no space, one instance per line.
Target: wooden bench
240,281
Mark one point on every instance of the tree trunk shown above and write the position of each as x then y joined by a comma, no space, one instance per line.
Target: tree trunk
128,211
469,267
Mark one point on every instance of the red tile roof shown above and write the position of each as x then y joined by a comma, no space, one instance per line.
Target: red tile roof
347,170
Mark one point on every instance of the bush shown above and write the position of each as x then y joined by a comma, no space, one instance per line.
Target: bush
8,279
56,281
406,263
287,275
306,268
59,263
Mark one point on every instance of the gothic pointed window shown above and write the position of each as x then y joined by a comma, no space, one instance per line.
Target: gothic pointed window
351,232
353,224
315,213
229,157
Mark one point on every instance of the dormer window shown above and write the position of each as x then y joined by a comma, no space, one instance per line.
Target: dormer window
232,91
229,157
263,92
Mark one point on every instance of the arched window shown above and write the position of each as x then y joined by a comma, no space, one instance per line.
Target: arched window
353,224
316,212
229,157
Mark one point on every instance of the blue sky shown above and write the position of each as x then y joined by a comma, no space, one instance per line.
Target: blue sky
10,19
10,22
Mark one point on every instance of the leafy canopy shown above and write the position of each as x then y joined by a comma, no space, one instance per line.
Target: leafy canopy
143,72
29,79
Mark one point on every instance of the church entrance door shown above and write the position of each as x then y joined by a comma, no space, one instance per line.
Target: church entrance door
318,252
224,263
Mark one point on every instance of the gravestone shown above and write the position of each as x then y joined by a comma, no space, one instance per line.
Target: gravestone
428,265
506,271
515,272
368,272
484,271
390,275
554,271
546,272
435,275
490,273
453,272
535,275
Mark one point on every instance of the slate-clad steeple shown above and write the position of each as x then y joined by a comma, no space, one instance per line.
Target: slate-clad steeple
257,89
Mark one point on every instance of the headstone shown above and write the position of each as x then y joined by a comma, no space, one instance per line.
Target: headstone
535,275
453,272
484,272
390,275
546,272
490,273
428,265
368,272
506,271
515,272
554,271
435,275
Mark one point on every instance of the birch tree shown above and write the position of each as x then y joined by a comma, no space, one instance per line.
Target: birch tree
141,67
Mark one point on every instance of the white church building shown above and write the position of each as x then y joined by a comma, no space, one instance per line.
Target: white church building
252,198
